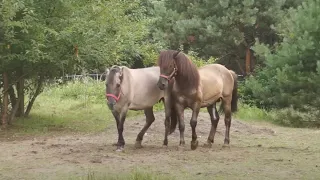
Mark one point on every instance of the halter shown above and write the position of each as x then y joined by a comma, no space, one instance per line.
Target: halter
114,96
174,72
175,69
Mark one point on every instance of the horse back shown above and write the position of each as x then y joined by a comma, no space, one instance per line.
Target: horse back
144,90
216,81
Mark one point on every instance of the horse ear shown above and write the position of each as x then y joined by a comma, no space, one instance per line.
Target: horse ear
107,72
121,72
176,54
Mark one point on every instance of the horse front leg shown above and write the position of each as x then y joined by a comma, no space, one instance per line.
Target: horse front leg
121,141
149,120
193,124
180,114
167,121
116,116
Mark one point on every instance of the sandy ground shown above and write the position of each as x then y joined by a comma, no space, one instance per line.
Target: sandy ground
256,151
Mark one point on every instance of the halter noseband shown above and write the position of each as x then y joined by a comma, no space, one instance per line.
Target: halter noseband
114,96
174,72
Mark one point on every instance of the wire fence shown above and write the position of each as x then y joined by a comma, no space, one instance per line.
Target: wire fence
100,76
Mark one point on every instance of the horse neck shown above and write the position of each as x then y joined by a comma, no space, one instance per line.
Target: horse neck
126,83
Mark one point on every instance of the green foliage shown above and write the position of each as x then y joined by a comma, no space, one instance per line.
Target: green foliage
249,112
291,76
293,118
216,28
199,62
40,42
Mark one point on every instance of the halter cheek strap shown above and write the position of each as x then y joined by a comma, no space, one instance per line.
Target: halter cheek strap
170,76
114,96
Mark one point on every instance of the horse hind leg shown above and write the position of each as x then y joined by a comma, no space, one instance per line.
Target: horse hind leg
227,119
193,124
149,120
214,117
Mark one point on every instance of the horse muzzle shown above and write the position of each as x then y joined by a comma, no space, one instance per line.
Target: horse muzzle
161,86
111,105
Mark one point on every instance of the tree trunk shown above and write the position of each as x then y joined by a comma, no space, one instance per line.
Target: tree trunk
20,90
5,100
14,111
248,62
12,95
36,93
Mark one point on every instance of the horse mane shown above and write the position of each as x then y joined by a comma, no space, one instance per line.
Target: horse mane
187,76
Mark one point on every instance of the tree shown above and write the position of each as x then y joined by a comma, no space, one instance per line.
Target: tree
224,29
40,42
291,75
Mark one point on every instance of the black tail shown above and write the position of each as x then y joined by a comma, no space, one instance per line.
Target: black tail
234,101
174,120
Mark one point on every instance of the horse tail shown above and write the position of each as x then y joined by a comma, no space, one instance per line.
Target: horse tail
174,120
234,101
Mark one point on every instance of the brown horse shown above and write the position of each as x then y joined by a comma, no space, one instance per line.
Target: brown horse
196,88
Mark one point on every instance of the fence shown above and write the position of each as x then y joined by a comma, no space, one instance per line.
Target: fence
99,77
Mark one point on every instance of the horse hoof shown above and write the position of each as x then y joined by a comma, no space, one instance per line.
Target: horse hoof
120,149
165,142
194,145
114,144
138,145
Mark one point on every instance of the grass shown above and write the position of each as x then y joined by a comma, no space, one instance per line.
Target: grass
81,107
251,113
73,107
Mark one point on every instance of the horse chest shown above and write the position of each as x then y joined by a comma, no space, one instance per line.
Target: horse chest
185,101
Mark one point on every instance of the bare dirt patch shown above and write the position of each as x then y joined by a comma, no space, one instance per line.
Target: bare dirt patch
256,151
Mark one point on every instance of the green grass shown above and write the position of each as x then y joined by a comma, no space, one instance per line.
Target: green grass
76,107
251,113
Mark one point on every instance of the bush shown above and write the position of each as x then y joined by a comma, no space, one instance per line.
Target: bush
87,90
293,118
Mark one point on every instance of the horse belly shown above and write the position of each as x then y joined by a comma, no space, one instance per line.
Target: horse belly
143,101
211,89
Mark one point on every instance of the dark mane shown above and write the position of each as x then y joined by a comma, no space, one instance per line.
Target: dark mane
188,76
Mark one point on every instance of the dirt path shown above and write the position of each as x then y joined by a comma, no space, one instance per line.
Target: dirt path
256,151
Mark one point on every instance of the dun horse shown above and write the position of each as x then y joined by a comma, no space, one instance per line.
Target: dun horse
133,89
196,88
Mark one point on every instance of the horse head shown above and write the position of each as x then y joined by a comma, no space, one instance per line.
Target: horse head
113,85
174,64
168,67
